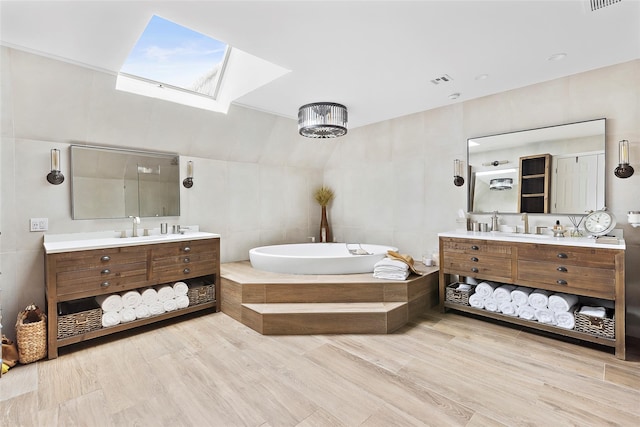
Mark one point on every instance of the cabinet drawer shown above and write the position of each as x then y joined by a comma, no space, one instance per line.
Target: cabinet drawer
478,265
560,277
163,273
99,259
80,283
569,255
168,250
473,246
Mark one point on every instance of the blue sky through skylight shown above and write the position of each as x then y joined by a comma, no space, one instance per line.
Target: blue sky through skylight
172,54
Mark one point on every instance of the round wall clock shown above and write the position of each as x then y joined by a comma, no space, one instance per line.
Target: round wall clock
599,223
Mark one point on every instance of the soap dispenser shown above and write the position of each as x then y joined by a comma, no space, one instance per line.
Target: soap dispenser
558,230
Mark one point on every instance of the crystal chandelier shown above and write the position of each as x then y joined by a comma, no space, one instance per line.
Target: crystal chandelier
322,120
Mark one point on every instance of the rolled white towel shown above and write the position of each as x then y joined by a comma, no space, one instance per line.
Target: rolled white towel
520,295
546,315
131,299
566,320
127,314
180,288
165,293
170,305
142,311
182,301
509,308
539,299
562,302
476,301
110,318
593,311
149,296
503,293
485,289
490,304
110,303
156,308
527,312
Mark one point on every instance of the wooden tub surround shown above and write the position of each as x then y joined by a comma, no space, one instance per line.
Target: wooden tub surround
281,304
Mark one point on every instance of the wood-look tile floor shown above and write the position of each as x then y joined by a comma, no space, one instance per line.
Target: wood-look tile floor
209,370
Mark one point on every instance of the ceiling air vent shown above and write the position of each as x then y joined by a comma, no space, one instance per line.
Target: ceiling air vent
445,78
594,5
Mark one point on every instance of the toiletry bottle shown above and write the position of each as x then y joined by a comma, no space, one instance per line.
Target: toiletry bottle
558,230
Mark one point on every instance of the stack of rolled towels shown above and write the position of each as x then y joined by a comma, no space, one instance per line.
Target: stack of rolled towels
132,305
393,269
527,303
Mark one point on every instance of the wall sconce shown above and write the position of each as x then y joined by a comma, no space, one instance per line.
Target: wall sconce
188,181
624,169
55,177
458,180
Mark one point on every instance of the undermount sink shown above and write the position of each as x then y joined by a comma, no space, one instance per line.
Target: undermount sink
525,236
152,237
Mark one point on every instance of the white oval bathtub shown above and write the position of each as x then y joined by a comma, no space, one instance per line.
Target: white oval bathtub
317,258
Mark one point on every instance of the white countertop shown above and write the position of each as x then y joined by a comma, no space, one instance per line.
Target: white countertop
543,239
55,243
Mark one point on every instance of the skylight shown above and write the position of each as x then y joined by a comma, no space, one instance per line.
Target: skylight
177,64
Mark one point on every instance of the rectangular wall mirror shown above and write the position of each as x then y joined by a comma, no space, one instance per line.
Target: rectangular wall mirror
114,183
556,169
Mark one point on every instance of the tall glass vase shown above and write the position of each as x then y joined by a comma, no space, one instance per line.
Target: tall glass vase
325,232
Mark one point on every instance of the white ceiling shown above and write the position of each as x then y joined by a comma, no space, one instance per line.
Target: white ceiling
376,57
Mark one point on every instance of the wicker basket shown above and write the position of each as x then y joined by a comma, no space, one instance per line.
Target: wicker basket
78,317
31,338
456,296
599,326
201,291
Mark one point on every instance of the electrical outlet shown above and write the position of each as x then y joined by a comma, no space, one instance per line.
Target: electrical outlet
39,224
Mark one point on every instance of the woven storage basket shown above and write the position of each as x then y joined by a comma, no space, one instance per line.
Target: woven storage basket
201,291
78,317
599,326
31,338
456,296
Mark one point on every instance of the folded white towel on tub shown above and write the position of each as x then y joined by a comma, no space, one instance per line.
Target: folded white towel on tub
165,293
149,296
388,264
509,308
156,308
476,301
127,314
527,312
180,288
391,275
546,315
110,318
182,301
539,299
566,319
108,303
562,302
131,299
520,295
142,311
170,305
485,289
490,304
503,293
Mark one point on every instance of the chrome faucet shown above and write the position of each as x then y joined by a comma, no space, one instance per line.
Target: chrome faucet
525,219
136,221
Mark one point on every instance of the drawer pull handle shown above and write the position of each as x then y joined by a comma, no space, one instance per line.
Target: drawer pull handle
186,271
475,270
187,260
105,258
474,259
475,248
561,282
561,255
562,269
104,284
187,249
105,271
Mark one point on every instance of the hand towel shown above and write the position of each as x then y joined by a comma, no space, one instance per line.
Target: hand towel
490,304
527,312
170,305
509,308
180,288
520,295
566,320
156,308
593,311
110,303
476,301
110,318
142,311
503,293
388,268
546,315
182,301
463,287
127,314
485,289
562,302
539,299
165,293
131,299
149,296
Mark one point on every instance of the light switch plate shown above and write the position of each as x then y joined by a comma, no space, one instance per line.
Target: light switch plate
39,224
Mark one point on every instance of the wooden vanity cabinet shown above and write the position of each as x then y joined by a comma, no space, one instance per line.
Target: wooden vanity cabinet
81,274
590,272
